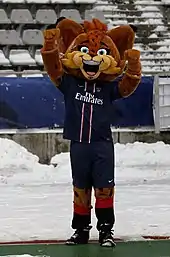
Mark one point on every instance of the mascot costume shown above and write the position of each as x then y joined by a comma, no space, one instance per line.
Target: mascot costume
92,66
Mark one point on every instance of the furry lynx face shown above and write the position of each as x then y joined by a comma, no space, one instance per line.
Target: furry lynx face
92,51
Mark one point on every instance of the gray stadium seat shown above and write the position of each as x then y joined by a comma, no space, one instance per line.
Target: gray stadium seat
21,16
46,16
21,57
3,17
90,14
72,14
3,60
32,37
9,37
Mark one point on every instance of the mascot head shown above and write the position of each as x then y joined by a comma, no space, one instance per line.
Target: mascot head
92,51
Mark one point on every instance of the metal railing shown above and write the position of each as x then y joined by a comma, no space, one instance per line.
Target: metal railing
157,106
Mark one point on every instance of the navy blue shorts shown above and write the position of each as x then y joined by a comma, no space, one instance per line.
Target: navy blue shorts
92,164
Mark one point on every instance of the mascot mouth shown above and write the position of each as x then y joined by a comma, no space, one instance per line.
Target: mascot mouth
91,67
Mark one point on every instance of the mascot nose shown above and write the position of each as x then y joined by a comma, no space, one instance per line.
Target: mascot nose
92,53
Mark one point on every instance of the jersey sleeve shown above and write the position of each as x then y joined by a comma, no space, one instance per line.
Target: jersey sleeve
115,94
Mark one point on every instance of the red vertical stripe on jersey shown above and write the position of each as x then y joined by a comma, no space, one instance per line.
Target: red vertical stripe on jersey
91,114
82,116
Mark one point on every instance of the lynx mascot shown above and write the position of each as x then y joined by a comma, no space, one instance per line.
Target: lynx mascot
84,62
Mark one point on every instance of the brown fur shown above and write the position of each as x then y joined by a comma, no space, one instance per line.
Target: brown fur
69,36
82,197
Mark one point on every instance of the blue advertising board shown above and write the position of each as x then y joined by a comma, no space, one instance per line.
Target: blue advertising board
37,103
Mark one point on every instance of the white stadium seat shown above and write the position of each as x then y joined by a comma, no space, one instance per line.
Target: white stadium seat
90,14
21,16
8,73
62,1
38,57
21,57
71,14
44,16
166,2
37,1
85,1
3,17
32,37
13,1
9,37
30,73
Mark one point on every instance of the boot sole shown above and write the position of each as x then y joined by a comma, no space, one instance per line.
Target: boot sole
108,243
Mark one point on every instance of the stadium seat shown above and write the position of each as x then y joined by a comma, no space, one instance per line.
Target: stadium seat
8,73
3,60
90,14
20,57
37,1
32,37
63,1
166,2
46,16
9,37
85,1
3,17
13,1
21,16
71,14
30,73
38,57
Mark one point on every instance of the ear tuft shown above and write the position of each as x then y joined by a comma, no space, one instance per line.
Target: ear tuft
95,24
60,19
135,29
53,26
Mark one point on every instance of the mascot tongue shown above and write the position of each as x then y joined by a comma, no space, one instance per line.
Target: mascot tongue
91,73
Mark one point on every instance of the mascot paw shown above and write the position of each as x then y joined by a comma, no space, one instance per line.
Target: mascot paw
51,34
134,64
132,55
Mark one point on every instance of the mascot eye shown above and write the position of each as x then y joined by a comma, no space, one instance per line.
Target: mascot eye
102,51
84,49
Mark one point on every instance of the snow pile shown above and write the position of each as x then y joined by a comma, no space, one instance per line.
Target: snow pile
142,154
18,166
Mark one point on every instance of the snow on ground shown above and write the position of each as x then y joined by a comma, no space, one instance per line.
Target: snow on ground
36,200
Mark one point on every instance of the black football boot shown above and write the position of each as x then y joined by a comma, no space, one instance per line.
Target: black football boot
80,236
106,236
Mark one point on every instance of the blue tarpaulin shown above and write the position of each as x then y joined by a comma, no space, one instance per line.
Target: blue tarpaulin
37,103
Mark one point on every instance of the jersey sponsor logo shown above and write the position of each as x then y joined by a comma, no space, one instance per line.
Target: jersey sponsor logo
89,98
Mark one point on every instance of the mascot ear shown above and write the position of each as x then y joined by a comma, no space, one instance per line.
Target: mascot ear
69,30
123,37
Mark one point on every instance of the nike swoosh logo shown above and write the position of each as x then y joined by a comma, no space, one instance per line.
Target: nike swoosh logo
110,181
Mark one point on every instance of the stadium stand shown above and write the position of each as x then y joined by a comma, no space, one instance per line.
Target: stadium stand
22,22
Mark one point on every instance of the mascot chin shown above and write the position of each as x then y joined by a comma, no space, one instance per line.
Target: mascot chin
92,66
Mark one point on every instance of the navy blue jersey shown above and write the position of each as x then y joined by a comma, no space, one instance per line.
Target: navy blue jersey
88,108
